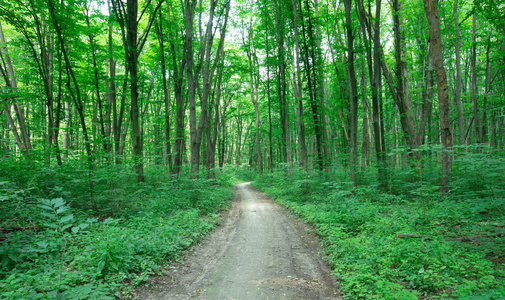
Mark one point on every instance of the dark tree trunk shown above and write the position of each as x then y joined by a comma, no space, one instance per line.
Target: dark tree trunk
353,94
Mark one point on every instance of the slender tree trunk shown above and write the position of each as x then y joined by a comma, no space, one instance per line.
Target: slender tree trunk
212,136
270,129
353,95
23,142
310,65
426,107
132,65
298,92
97,84
402,93
179,66
459,81
432,15
166,97
322,97
365,144
473,85
66,132
281,82
253,85
487,86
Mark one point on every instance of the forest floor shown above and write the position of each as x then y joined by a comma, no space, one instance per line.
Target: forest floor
259,251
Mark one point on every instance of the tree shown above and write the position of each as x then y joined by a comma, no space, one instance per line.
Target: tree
194,71
23,141
353,93
133,45
432,15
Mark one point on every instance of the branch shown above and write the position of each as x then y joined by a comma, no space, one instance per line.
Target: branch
458,239
143,38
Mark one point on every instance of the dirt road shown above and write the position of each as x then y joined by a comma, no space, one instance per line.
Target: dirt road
258,252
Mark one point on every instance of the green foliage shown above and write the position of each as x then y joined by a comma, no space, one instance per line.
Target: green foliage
360,229
65,247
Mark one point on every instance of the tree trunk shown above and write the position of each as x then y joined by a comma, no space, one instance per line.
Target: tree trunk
23,142
353,95
297,87
167,161
310,65
487,86
473,85
401,95
179,66
97,84
459,81
431,9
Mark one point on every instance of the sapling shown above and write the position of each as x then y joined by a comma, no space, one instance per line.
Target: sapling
59,220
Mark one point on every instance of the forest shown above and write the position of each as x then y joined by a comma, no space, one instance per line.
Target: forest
125,123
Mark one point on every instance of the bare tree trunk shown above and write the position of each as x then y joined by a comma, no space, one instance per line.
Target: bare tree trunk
487,86
179,65
432,15
166,97
193,72
353,94
133,47
97,84
322,97
402,98
426,108
281,82
298,92
459,81
473,85
270,142
23,142
365,145
212,136
310,65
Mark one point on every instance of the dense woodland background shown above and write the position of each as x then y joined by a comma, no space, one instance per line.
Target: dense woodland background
125,119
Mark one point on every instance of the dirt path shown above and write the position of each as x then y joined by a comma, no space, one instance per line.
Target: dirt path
258,252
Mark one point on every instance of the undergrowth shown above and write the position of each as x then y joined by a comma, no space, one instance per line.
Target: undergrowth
58,242
409,242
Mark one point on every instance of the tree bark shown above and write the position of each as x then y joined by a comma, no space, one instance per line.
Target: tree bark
473,86
310,64
353,94
133,47
97,83
23,142
166,97
402,98
281,82
179,65
459,80
297,87
432,15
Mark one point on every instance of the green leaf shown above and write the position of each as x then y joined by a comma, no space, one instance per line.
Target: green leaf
45,207
61,210
5,261
43,244
51,216
65,227
51,225
58,202
67,218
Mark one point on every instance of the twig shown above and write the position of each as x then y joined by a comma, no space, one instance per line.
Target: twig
458,239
